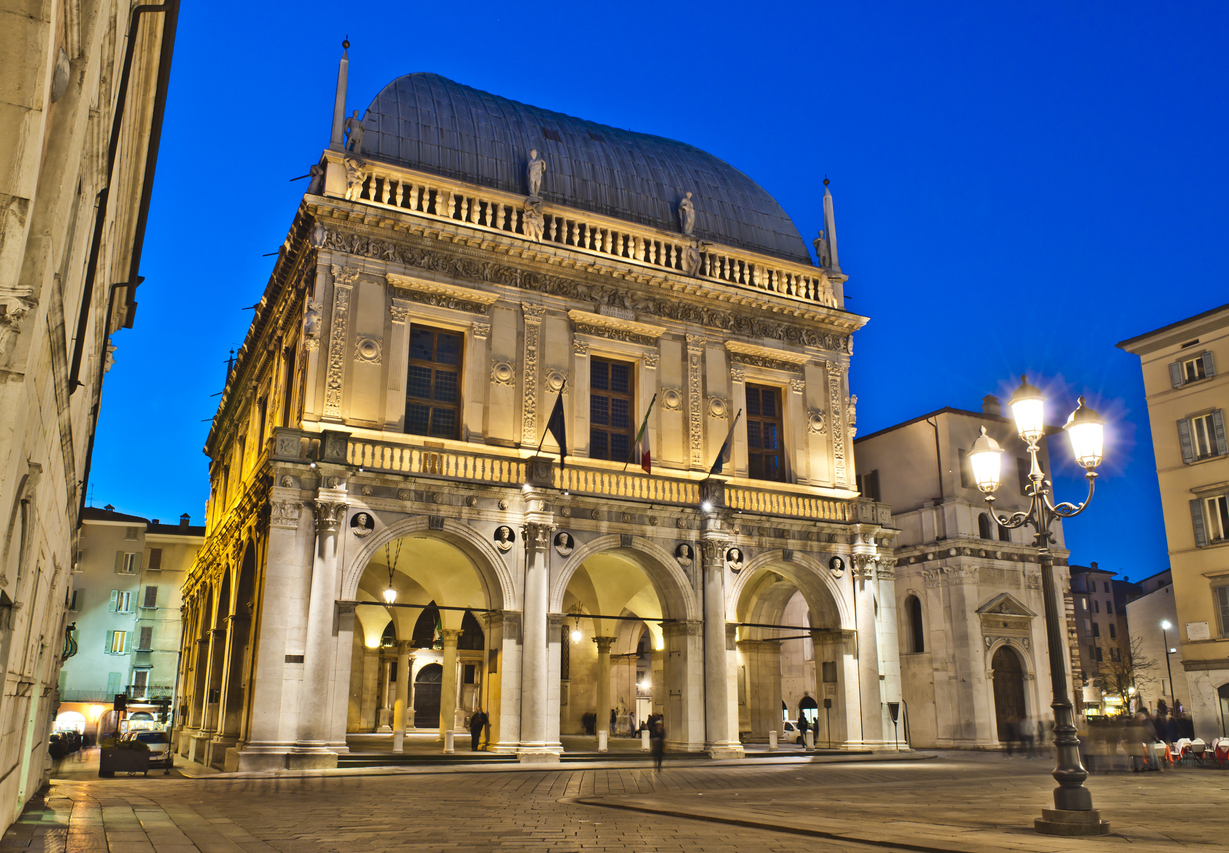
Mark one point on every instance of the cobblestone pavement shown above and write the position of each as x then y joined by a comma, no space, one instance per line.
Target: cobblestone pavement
959,802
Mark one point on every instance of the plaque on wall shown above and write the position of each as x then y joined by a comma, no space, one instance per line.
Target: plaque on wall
1197,631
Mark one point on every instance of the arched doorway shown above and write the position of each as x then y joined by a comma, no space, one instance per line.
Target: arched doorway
1009,706
792,652
427,696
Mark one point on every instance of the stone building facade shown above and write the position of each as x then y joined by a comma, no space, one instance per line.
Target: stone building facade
1188,392
971,613
81,97
460,263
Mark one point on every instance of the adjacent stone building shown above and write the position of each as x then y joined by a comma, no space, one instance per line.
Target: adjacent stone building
971,616
1146,615
124,611
1187,396
1103,642
81,96
393,539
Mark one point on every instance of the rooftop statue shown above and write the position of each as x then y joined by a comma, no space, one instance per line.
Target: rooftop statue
687,214
534,171
532,219
354,127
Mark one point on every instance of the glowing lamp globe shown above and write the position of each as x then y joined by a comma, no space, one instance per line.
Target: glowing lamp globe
986,457
1028,409
390,595
1086,429
576,635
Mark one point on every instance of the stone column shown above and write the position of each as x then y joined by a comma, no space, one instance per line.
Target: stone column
370,699
603,681
448,689
217,639
763,661
403,695
868,649
534,685
836,647
720,701
384,714
311,746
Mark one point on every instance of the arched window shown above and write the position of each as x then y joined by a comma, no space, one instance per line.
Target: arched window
983,527
915,634
1004,534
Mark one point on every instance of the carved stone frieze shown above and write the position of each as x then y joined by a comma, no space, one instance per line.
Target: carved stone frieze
838,431
440,294
695,414
285,513
328,516
932,577
336,364
961,575
663,307
683,629
529,406
480,330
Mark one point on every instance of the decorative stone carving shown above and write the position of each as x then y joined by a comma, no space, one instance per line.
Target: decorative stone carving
362,524
333,482
535,169
961,574
738,374
565,511
887,568
851,414
287,482
718,407
399,313
616,328
1032,581
695,418
368,491
404,494
285,513
863,565
815,422
311,325
687,215
581,348
692,259
481,330
354,133
328,516
318,233
649,360
368,350
502,373
355,176
931,577
343,279
680,523
532,220
666,307
595,514
734,560
671,399
563,543
440,294
504,538
537,535
556,381
798,385
503,503
529,406
838,432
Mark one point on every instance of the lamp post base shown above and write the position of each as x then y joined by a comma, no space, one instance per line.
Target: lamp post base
1063,822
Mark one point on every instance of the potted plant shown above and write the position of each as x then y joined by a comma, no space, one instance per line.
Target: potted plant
126,755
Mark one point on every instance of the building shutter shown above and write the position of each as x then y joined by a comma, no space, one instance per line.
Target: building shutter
151,596
1201,536
1209,366
1175,374
155,559
136,562
110,642
147,637
1218,424
1184,441
112,683
119,562
114,600
873,484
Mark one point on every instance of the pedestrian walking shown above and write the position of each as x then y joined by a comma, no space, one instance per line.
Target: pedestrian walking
477,722
1028,737
657,741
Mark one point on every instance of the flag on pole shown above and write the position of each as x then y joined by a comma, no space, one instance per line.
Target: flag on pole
723,456
646,451
557,428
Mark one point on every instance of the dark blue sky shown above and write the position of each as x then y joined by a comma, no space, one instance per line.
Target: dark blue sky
1017,186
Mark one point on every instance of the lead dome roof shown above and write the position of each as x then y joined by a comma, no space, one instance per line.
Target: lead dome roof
433,124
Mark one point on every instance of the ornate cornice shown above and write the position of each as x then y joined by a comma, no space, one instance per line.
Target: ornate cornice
767,357
616,328
440,294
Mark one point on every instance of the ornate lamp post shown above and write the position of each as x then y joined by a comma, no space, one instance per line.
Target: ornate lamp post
1173,697
1073,813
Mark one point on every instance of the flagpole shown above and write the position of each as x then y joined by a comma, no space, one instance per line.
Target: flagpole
641,433
546,429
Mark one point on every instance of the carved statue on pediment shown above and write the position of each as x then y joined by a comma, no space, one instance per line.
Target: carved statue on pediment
533,220
14,305
311,320
821,249
687,214
691,259
851,414
535,169
355,175
315,187
354,128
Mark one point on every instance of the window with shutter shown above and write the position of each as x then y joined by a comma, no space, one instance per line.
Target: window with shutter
147,638
1221,594
112,683
74,603
1215,520
151,597
114,600
1202,436
155,559
1201,535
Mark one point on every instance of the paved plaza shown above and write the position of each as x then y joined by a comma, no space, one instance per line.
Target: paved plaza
952,801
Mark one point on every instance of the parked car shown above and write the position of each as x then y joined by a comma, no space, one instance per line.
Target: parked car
159,744
792,733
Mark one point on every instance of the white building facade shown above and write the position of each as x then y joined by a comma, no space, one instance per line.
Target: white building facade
971,615
386,427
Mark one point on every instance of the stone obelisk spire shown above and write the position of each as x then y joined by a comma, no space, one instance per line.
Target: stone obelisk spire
337,142
830,229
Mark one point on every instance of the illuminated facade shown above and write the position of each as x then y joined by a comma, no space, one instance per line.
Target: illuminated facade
457,266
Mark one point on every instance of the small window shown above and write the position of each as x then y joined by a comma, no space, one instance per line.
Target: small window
765,434
915,632
74,603
1004,534
1114,653
117,642
151,597
1096,629
611,405
1210,517
966,468
1022,469
127,563
983,527
1192,369
1221,595
121,601
433,385
146,641
1105,586
130,533
140,679
1109,606
868,485
1113,632
470,674
1099,658
155,559
1202,437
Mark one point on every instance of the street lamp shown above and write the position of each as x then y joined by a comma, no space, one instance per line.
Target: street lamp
1073,813
1173,708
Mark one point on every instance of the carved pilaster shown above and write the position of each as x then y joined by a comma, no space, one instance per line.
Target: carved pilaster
537,535
529,364
887,568
343,287
695,401
863,565
328,517
837,422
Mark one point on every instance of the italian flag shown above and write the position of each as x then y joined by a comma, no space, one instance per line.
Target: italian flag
646,452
